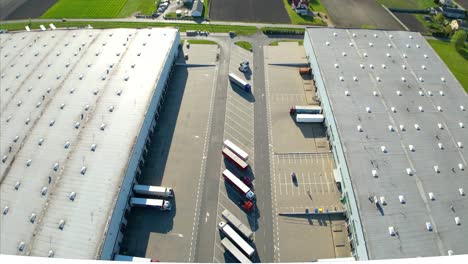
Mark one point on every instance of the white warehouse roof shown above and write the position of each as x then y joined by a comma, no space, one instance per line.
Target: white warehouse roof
63,93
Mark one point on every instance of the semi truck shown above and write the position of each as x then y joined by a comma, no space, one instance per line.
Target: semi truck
307,109
241,164
231,248
240,82
238,184
236,238
154,203
309,118
237,224
133,259
158,191
234,148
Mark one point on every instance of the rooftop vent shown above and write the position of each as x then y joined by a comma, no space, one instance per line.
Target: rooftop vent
335,34
32,218
365,54
423,67
28,162
44,190
461,125
390,128
384,66
460,166
359,128
355,78
8,119
72,90
50,254
77,125
459,144
361,65
354,35
371,44
368,110
72,196
21,246
4,158
351,44
421,79
48,90
441,93
67,144
374,174
439,108
428,226
442,79
425,56
61,224
27,121
83,170
19,103
393,109
461,191
398,93
440,126
56,166
95,92
139,54
383,149
462,108
402,128
336,65
17,185
436,169
403,66
375,93
429,93
103,126
411,148
403,79
327,43
86,108
16,139
371,66
409,171
119,92
411,37
93,147
41,140
126,78
402,199
440,145
420,108
457,221
5,210
52,122
431,196
38,104
341,78
111,108
378,79
375,36
382,200
103,77
391,231
417,127
133,65
344,54
388,55
405,56
389,45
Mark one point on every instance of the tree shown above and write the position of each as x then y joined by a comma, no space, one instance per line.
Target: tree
440,18
459,40
436,2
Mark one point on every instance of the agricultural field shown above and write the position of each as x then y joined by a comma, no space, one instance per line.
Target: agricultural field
409,4
314,5
99,8
267,11
456,62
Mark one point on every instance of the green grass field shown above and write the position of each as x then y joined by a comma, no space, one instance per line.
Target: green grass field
275,43
410,4
244,44
201,41
240,30
99,8
454,60
304,20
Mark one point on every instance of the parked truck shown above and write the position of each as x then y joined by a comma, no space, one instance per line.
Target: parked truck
238,240
307,109
309,118
133,259
237,224
238,184
153,203
231,248
158,191
240,82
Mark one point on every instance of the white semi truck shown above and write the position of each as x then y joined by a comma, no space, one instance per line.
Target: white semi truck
154,203
309,118
158,191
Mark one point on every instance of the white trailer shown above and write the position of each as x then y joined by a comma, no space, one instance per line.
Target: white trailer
234,148
155,203
231,248
309,118
236,238
240,82
153,190
132,259
237,224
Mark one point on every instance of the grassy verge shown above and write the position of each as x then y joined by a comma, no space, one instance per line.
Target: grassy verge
457,63
282,31
316,6
276,43
240,30
301,20
410,4
365,26
206,4
201,41
86,9
244,44
171,15
145,7
431,25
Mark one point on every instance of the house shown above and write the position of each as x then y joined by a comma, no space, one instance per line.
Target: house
453,12
458,24
301,7
446,2
197,8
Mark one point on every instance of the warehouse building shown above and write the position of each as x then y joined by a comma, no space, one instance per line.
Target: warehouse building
77,108
397,122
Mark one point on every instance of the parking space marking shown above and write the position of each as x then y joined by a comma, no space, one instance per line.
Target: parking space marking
240,126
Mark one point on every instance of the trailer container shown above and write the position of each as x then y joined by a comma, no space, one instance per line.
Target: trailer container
237,224
238,184
234,148
231,248
153,190
235,159
238,240
304,70
307,109
240,82
155,203
309,118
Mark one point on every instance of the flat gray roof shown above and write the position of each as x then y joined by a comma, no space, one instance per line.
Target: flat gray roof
412,87
61,92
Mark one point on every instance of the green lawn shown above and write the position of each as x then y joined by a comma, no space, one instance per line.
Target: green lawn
275,43
240,30
316,6
201,41
145,7
244,44
410,4
282,30
206,3
454,60
303,20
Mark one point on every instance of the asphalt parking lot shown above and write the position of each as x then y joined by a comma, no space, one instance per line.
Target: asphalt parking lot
303,149
176,159
238,128
268,11
360,13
